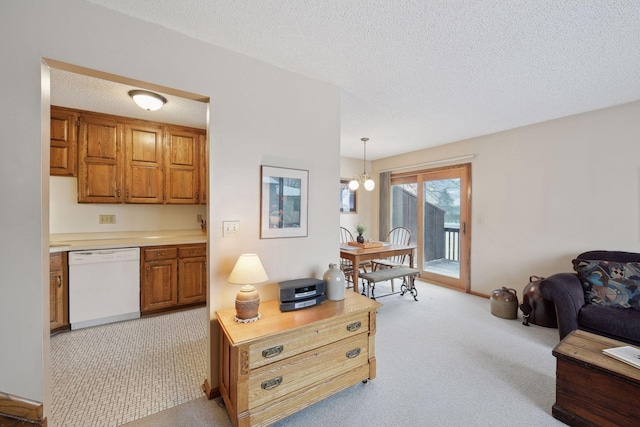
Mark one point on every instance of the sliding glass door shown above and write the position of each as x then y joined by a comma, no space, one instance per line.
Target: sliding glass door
434,206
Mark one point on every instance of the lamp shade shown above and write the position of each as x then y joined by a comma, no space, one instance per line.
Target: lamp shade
248,271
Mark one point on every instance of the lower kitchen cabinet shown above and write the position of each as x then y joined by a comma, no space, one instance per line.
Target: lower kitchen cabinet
173,277
58,292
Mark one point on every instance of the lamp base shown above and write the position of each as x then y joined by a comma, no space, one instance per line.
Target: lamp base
253,319
247,303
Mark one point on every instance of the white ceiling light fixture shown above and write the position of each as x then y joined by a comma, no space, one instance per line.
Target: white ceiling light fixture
147,100
364,179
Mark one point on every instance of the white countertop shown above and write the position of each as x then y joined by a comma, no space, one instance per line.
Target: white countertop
124,239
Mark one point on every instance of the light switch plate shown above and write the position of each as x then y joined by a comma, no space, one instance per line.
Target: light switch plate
230,228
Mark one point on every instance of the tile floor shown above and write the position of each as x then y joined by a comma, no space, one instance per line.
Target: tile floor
108,375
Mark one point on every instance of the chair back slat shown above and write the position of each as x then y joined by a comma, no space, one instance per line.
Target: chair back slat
399,236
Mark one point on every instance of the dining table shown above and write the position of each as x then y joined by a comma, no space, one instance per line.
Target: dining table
356,255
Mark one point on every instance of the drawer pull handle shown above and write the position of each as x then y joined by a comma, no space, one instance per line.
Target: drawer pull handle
273,351
353,353
354,326
272,383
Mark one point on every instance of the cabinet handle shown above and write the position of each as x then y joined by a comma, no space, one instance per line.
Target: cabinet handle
354,326
147,271
353,353
272,383
273,351
118,193
59,281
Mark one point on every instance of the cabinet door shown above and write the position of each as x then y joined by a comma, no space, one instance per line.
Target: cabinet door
144,162
55,300
57,291
100,160
204,171
160,284
63,144
192,280
182,164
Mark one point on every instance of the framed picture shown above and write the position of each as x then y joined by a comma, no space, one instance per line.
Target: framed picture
347,198
283,202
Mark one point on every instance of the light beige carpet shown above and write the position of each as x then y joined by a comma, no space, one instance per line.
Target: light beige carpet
441,361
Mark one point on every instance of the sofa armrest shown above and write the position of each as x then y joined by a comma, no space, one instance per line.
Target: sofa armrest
565,290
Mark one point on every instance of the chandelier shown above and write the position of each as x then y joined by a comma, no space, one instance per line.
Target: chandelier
364,179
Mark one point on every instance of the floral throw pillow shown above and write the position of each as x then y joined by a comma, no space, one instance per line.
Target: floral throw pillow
609,283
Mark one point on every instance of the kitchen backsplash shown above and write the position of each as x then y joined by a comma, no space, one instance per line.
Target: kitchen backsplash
66,215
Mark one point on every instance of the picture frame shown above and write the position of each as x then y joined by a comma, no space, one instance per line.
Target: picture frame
348,198
284,198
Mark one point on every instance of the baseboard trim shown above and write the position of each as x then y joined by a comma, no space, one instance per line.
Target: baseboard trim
479,294
211,393
23,409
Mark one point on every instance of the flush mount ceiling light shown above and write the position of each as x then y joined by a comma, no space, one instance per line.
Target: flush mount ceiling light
147,100
364,179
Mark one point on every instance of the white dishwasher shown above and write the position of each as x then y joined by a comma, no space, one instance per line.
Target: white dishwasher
104,286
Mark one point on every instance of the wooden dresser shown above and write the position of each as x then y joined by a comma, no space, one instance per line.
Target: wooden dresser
287,361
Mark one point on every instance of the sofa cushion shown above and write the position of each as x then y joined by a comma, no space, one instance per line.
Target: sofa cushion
619,324
610,283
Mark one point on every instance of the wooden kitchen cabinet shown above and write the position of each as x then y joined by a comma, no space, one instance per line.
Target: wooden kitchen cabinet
143,163
192,274
183,165
100,160
58,292
204,168
63,142
173,277
287,361
122,160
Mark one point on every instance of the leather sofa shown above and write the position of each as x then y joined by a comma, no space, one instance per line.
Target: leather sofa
578,305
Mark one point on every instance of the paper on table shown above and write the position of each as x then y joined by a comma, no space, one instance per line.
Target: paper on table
626,354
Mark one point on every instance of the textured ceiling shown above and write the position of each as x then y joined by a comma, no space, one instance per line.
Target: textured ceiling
415,74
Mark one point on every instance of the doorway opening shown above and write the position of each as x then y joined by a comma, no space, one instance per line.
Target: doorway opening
83,89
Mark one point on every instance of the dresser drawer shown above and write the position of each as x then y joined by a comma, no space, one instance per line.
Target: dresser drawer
169,252
303,339
192,251
286,376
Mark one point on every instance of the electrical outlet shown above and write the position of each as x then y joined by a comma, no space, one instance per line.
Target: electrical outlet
107,219
199,216
230,228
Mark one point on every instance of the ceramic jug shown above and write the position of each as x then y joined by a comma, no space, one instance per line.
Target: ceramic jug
504,303
335,283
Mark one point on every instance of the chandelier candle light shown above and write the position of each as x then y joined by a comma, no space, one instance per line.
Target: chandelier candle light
248,271
364,179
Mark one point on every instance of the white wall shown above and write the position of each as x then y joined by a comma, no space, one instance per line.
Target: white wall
259,114
66,215
544,193
350,168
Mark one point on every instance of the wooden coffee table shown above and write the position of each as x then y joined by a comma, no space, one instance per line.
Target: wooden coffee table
591,387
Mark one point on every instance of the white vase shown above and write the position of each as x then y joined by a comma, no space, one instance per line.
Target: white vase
335,283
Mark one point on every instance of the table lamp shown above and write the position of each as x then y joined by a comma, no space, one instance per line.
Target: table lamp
248,271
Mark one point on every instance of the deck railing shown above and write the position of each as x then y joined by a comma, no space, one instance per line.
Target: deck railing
452,243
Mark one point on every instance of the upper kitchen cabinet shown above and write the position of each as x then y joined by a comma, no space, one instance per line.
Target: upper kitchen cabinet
144,163
204,162
183,165
100,160
64,132
123,160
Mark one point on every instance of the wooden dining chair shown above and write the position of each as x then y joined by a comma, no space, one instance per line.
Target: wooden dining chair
397,236
345,264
